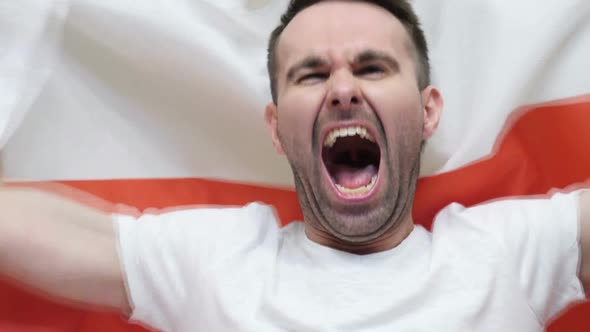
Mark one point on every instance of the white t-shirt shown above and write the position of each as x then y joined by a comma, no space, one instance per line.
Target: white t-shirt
508,265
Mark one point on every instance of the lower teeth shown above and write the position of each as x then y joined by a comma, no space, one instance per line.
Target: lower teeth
360,190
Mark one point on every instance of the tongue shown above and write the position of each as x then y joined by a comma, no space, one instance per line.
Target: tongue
352,177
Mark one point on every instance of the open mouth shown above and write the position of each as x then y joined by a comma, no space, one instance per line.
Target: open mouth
351,157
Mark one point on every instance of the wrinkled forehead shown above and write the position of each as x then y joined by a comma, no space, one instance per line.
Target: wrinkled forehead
339,30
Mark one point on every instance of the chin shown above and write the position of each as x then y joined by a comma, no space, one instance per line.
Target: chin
359,225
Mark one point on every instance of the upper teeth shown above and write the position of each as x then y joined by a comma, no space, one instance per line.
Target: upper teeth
347,131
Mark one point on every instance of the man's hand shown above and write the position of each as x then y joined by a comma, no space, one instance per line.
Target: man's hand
60,248
585,240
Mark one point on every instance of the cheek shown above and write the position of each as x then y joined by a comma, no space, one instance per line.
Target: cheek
395,102
399,111
297,112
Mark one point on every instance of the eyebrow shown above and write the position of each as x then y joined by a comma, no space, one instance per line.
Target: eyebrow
366,56
373,55
309,62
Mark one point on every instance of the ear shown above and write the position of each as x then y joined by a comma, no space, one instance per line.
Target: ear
432,105
270,116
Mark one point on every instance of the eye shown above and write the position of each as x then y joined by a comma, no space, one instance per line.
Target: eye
313,77
370,70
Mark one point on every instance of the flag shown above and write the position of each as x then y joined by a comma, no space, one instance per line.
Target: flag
155,104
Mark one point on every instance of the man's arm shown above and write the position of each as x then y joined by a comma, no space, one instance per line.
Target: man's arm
60,248
585,240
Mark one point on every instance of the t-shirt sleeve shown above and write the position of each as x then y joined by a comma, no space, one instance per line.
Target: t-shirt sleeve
163,256
542,240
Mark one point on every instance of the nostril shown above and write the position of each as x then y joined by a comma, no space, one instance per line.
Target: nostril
335,102
354,100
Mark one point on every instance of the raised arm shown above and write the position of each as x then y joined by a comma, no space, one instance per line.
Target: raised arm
585,240
60,248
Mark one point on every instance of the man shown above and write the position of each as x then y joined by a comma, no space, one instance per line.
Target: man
352,107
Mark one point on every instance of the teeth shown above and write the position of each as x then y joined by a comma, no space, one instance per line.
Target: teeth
344,132
360,190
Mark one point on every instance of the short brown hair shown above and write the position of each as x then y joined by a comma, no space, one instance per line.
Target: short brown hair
398,8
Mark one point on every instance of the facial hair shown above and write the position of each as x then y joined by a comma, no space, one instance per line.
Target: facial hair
360,223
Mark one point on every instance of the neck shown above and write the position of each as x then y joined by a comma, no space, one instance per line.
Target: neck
388,240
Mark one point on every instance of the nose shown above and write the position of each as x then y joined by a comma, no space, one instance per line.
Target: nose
344,92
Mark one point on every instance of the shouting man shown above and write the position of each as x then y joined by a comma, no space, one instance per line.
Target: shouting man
352,107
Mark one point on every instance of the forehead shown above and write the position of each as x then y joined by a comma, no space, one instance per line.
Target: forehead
341,29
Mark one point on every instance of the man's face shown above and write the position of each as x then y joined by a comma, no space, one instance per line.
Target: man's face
349,117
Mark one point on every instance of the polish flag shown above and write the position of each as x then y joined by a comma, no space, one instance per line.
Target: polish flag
155,104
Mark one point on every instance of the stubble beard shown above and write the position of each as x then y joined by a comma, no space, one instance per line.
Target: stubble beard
360,224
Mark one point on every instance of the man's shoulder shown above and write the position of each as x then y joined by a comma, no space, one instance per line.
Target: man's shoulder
189,214
202,226
509,207
510,219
